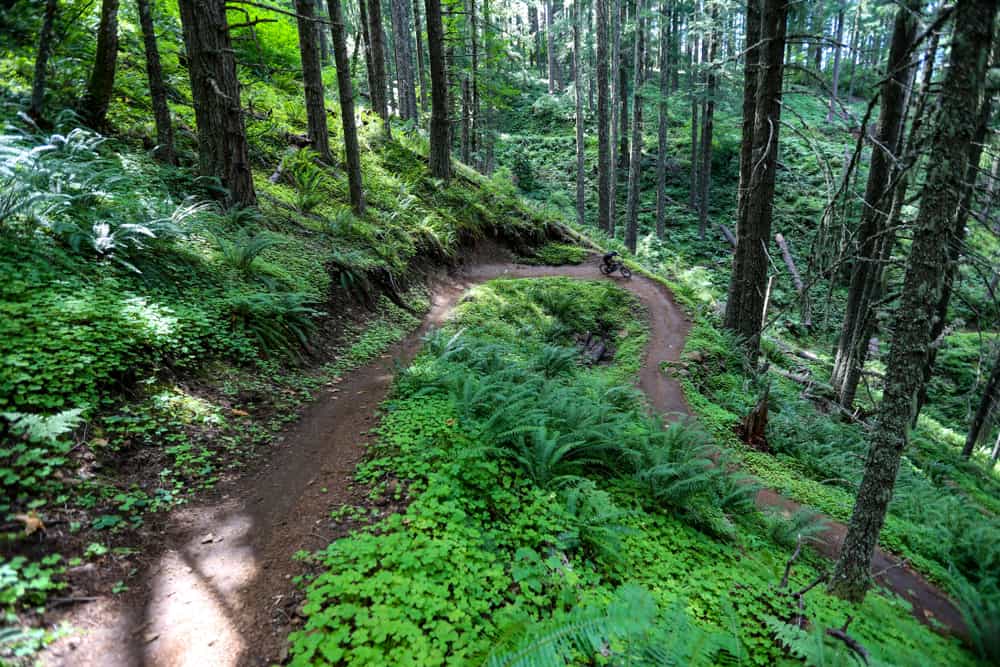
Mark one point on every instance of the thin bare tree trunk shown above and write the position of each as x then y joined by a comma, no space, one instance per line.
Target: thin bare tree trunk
97,98
605,167
421,69
836,65
635,164
616,47
663,121
352,152
164,150
580,179
42,60
705,178
312,79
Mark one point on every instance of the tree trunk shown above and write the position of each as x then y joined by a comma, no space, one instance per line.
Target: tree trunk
369,60
616,47
440,139
663,121
215,90
751,64
377,52
324,43
623,151
692,93
932,229
550,48
474,121
352,153
534,53
836,65
705,178
605,170
635,164
955,249
867,268
42,60
464,145
97,98
421,69
986,404
745,305
312,78
581,216
164,150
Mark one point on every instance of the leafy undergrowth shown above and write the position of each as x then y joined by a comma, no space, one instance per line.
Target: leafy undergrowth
556,254
154,342
551,520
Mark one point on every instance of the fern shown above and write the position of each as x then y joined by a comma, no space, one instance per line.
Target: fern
278,322
243,251
42,428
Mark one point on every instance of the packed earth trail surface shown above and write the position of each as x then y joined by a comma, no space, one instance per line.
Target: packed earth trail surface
218,590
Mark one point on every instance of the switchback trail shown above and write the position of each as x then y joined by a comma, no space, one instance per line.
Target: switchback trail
219,590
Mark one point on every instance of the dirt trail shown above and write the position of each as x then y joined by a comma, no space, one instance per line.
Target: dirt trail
219,591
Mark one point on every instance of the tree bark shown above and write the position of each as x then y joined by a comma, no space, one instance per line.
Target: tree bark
605,170
751,65
955,130
421,68
550,47
663,121
97,98
312,79
871,230
745,305
215,90
164,150
42,60
352,153
581,216
987,403
635,164
705,178
377,52
836,65
692,93
440,139
324,44
369,60
616,47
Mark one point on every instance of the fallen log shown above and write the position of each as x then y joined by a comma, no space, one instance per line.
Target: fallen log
786,254
728,234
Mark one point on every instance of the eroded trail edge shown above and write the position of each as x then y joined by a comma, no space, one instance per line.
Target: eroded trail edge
220,590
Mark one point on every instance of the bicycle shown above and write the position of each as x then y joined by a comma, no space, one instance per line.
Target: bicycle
609,265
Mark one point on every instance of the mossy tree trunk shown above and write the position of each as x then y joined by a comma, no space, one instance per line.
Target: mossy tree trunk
35,108
222,141
748,283
345,89
922,286
100,86
878,196
312,79
164,150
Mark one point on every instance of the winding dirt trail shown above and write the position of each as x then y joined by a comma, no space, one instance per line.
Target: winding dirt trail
219,591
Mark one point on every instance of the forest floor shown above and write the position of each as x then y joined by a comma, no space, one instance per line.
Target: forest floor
218,588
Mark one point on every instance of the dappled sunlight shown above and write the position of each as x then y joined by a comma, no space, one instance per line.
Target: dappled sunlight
196,604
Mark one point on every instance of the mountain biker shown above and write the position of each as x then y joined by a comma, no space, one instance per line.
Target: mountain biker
609,258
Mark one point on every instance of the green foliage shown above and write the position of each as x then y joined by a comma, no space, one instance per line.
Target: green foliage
26,583
33,450
557,254
241,252
280,322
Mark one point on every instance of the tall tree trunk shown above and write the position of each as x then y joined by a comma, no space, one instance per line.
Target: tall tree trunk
352,153
663,120
987,403
215,90
312,78
855,46
867,268
97,98
379,83
164,151
692,93
534,53
932,229
464,144
324,43
404,60
440,140
635,164
42,60
745,305
836,65
623,151
581,216
421,69
474,89
616,56
954,249
550,47
369,60
705,179
751,65
604,164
